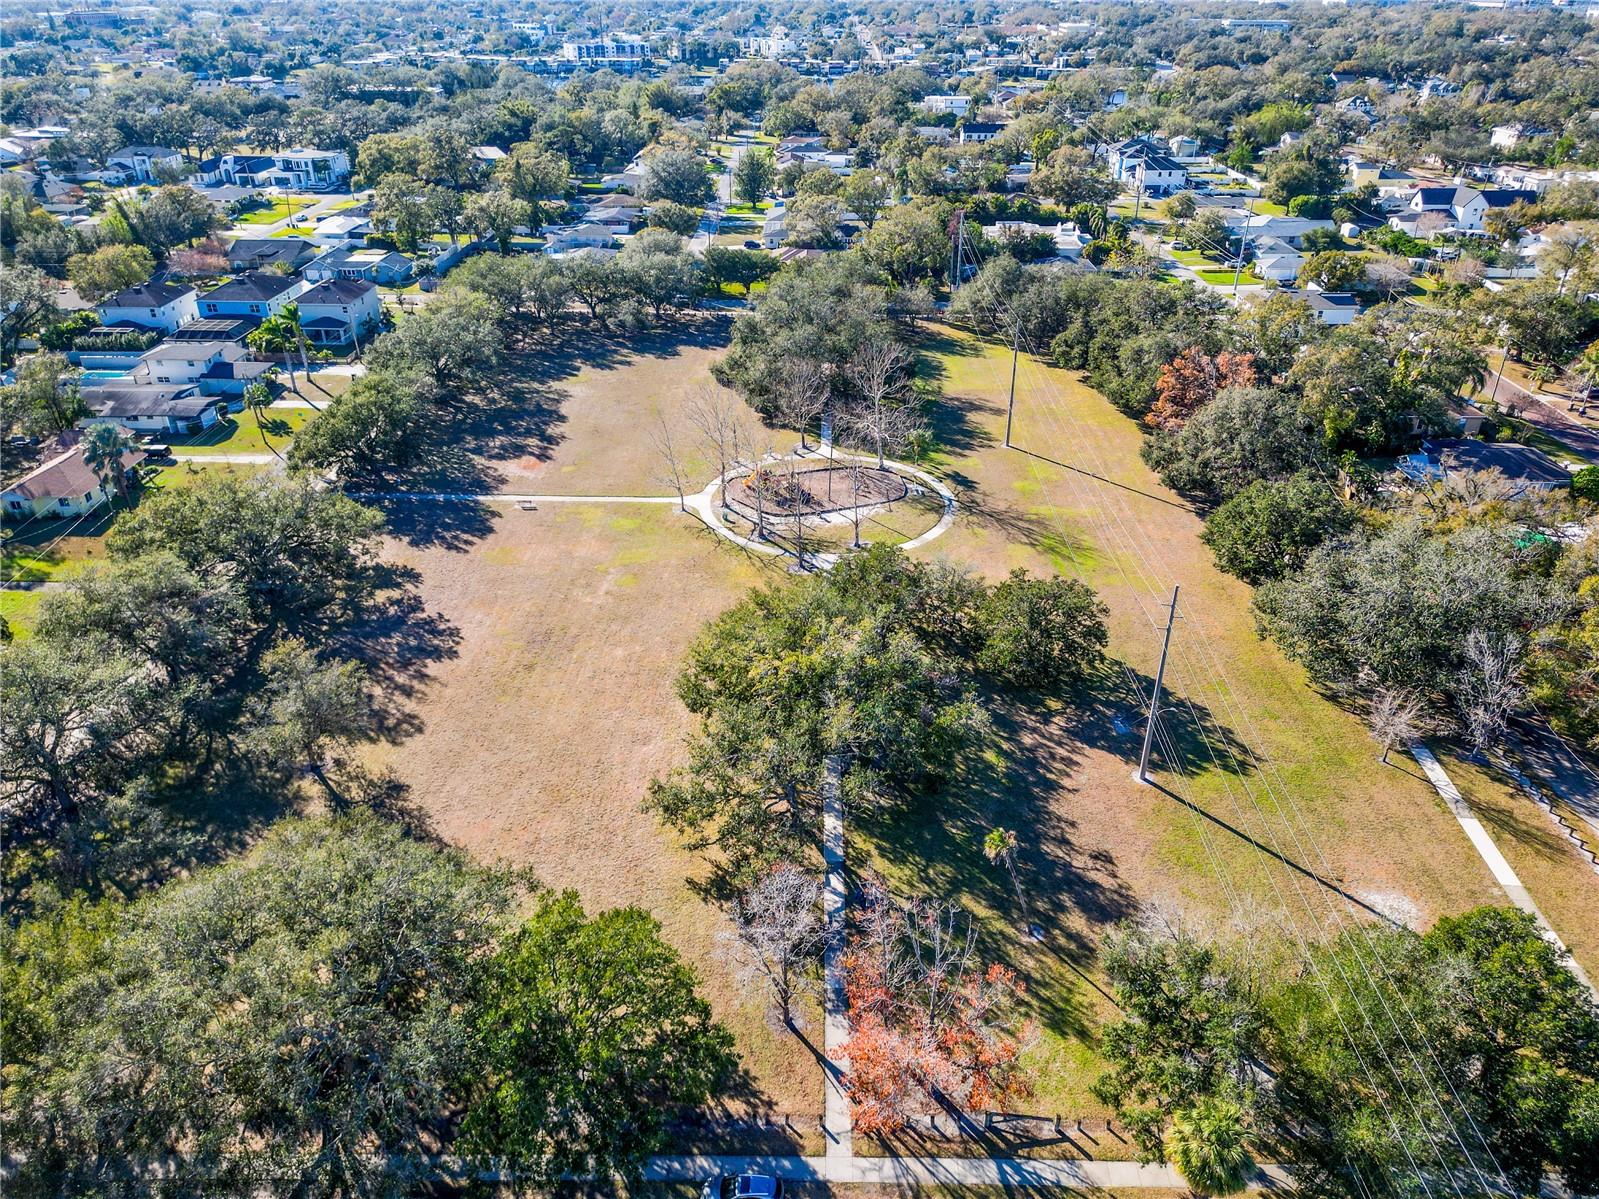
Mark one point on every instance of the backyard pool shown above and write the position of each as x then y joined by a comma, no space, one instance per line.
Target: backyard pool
104,376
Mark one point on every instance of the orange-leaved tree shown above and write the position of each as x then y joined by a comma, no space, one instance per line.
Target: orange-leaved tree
1191,380
929,1021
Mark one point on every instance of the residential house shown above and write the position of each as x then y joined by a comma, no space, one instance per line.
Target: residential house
389,268
342,229
301,170
1465,207
340,312
935,133
145,164
1277,261
264,253
774,229
978,132
165,409
256,294
618,212
587,236
1508,137
1255,228
217,368
1522,466
1329,307
64,486
1145,167
953,105
155,305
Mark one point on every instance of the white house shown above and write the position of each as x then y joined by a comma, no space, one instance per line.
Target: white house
255,294
303,170
978,132
151,305
217,368
62,487
342,229
339,312
1143,166
145,164
1277,261
587,236
1465,207
955,105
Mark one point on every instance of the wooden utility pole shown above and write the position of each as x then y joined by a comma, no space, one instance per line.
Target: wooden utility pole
1010,405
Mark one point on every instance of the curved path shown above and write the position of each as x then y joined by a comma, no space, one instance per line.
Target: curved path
703,505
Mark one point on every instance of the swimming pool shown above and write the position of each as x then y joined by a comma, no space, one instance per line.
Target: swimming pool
102,375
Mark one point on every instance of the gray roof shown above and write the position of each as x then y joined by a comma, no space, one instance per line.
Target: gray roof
336,291
162,400
154,294
253,285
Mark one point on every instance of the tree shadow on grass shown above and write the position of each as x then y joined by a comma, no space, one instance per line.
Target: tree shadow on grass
1073,890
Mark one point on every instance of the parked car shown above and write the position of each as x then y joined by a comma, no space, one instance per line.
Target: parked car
750,244
743,1186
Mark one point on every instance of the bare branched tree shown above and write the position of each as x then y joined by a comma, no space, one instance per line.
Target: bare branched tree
1394,717
674,469
1490,687
778,934
806,392
878,371
723,423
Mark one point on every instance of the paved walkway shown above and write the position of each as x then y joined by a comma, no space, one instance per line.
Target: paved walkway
506,497
949,1171
241,459
1503,874
837,1123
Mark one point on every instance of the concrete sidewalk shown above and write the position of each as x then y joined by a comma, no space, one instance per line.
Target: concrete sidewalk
948,1171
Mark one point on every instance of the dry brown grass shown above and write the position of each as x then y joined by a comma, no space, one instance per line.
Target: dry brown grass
539,735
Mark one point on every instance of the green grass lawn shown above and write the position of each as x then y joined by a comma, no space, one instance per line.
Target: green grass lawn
192,471
278,208
1275,804
750,209
245,434
21,611
1224,277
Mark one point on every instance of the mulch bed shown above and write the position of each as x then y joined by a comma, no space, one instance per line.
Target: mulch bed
817,490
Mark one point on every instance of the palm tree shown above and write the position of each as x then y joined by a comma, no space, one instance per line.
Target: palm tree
1000,846
1209,1145
104,445
278,335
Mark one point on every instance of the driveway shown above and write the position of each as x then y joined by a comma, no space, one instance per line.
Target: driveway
1542,415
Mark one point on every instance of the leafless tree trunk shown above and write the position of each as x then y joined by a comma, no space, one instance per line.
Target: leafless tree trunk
1490,688
877,371
805,384
798,516
778,932
1394,718
721,420
673,468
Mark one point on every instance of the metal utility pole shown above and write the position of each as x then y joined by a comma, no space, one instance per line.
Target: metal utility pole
1010,406
1154,696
